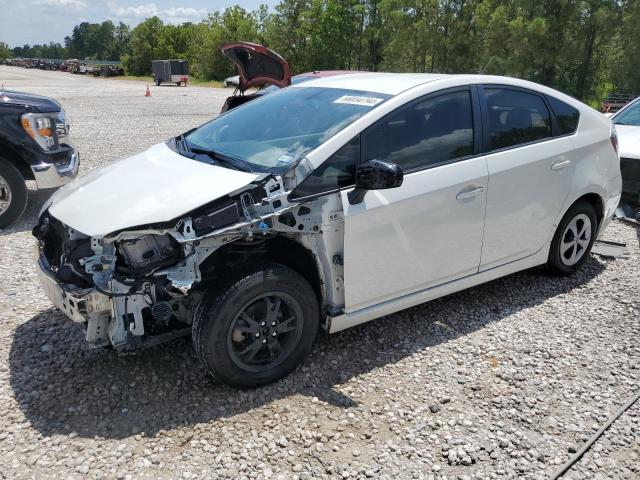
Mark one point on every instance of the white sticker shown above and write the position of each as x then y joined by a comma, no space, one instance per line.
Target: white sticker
357,100
284,158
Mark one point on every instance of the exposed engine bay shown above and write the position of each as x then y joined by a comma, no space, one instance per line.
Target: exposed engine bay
142,285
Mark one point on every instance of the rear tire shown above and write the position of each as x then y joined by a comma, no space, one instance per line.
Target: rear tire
258,328
13,193
573,239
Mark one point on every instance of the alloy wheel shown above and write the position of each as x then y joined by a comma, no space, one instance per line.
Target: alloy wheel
575,239
5,195
265,331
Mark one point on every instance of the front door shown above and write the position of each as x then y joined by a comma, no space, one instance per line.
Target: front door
429,230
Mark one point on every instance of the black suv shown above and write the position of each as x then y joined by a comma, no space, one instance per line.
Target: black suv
33,130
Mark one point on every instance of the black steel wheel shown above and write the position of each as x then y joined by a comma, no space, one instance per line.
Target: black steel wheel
258,328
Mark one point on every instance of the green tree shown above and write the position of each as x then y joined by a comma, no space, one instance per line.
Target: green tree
4,51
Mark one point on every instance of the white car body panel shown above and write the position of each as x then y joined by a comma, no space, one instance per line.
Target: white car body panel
524,198
114,197
415,236
629,141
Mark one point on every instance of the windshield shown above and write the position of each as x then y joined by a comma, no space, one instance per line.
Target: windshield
273,132
629,116
294,81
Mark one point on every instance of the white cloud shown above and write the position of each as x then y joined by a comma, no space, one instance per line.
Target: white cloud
183,12
139,11
145,10
61,3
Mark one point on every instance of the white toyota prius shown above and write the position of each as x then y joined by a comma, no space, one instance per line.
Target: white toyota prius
325,205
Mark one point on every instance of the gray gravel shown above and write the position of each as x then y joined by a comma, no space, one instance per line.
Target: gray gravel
504,380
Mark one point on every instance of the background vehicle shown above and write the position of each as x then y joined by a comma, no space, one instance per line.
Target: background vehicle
328,203
263,68
233,81
174,71
627,123
257,66
616,101
33,134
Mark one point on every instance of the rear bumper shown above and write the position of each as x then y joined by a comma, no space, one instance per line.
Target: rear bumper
53,175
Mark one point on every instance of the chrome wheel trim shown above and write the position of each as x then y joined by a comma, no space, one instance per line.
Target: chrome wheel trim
575,240
5,195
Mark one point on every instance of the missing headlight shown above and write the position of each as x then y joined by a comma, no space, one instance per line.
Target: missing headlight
147,253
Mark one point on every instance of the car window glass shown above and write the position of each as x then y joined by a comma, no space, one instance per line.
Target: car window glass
273,132
566,115
427,133
516,117
629,116
335,173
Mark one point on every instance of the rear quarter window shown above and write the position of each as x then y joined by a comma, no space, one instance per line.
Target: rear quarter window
567,116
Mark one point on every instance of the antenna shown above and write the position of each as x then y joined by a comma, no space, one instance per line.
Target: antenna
485,67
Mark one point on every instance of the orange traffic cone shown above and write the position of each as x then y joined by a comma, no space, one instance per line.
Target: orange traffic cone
148,92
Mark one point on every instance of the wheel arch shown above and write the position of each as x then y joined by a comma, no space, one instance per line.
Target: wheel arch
596,201
10,155
595,196
280,249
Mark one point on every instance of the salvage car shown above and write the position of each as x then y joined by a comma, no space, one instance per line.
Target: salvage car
328,203
33,146
627,123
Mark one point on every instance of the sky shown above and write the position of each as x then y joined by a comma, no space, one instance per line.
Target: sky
42,21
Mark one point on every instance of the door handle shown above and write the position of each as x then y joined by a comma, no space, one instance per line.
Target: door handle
561,165
465,194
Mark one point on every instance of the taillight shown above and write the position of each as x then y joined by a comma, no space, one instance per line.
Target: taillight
614,138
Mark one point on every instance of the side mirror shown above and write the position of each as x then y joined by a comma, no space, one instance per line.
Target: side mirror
375,175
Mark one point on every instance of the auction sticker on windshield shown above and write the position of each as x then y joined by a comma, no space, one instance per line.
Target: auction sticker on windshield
358,100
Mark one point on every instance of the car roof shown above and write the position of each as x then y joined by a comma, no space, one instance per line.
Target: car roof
396,83
327,73
389,83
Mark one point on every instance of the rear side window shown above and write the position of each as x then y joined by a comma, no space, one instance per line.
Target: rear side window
566,115
516,117
428,133
335,173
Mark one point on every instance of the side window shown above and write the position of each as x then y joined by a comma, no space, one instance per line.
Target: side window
566,115
335,173
516,117
433,131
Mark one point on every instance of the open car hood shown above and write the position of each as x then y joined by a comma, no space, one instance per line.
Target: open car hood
257,65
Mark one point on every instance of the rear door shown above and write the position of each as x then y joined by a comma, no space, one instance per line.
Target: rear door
530,173
429,230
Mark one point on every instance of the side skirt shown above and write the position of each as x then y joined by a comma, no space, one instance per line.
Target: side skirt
357,317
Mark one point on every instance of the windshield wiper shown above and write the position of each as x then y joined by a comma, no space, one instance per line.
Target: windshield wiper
219,158
181,144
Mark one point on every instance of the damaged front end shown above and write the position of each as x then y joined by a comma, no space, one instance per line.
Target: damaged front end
142,285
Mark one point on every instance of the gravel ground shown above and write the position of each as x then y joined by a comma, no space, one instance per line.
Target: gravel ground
504,380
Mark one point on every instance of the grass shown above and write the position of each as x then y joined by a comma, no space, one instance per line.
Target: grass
192,81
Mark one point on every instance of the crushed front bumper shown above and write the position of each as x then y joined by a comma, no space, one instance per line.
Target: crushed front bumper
53,175
87,306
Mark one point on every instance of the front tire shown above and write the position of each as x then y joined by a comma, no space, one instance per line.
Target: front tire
258,328
13,193
573,239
